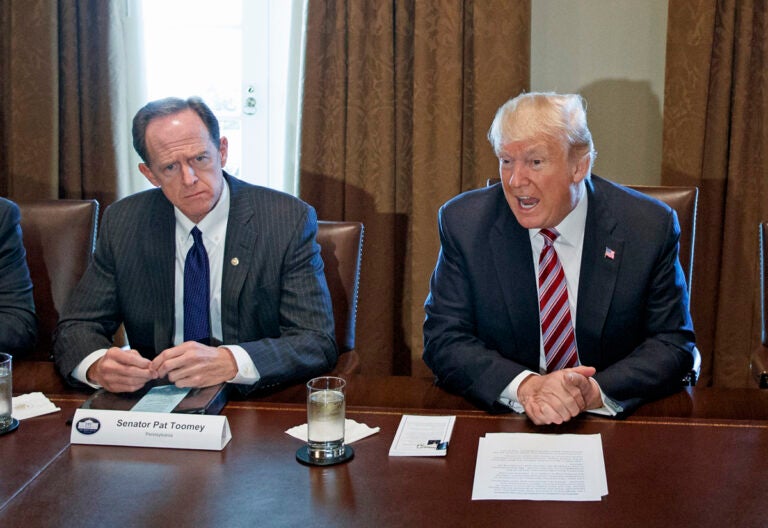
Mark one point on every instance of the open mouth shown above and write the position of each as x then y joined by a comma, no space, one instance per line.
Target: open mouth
527,202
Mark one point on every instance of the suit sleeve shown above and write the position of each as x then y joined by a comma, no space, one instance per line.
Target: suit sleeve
658,363
304,345
461,361
18,326
90,317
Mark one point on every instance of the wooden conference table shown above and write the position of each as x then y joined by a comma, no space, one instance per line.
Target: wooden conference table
696,458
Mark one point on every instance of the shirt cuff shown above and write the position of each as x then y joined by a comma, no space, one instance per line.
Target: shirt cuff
247,373
610,407
508,397
509,394
81,370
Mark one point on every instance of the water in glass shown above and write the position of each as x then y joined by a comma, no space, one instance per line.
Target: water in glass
325,422
6,391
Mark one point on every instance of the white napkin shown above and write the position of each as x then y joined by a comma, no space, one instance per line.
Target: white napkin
353,431
32,404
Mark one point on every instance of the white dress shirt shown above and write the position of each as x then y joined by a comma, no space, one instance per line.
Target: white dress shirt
568,247
214,230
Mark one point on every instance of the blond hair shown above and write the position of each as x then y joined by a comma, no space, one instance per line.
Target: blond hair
560,116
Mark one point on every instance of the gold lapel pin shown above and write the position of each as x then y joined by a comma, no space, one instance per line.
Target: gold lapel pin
235,261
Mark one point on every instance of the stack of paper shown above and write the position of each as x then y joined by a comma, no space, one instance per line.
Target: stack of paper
422,436
540,467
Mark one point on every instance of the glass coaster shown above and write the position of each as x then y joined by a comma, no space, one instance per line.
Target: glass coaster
302,455
12,427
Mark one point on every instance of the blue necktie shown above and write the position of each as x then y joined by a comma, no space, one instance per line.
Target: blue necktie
197,323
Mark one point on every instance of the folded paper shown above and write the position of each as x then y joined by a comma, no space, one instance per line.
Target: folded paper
31,405
353,431
150,429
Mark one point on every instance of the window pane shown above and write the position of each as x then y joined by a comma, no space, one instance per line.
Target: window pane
226,51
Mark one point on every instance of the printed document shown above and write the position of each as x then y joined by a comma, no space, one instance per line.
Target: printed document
162,399
523,466
422,435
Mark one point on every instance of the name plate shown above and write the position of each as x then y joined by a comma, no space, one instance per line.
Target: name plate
150,429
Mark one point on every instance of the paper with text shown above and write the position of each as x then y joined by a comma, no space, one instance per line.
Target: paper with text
524,466
422,435
161,399
150,429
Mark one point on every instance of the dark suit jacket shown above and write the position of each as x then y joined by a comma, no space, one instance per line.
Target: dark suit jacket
632,319
18,326
274,300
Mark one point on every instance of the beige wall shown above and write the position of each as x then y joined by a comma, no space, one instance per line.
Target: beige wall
612,52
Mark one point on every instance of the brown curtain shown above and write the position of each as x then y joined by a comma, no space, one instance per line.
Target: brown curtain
398,97
58,69
715,137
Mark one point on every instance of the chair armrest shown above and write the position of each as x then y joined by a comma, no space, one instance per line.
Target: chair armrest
37,376
348,364
690,379
759,366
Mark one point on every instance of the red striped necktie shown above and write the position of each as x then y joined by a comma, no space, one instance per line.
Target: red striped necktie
554,309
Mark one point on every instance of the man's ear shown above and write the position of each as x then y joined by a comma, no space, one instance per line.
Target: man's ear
145,170
223,150
581,168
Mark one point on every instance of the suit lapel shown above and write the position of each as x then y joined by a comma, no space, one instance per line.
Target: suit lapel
601,257
238,256
513,258
160,256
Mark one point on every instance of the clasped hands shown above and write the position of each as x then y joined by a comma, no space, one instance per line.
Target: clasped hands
190,364
557,397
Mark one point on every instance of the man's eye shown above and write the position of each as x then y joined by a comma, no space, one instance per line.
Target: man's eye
170,167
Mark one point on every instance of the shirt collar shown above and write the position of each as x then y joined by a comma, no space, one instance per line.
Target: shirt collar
571,229
213,224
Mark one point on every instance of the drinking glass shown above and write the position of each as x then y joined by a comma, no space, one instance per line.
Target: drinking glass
325,418
6,391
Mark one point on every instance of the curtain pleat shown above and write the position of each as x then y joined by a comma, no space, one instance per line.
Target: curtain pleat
61,84
715,138
398,97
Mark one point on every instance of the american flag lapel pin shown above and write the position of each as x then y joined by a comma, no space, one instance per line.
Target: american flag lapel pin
609,253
